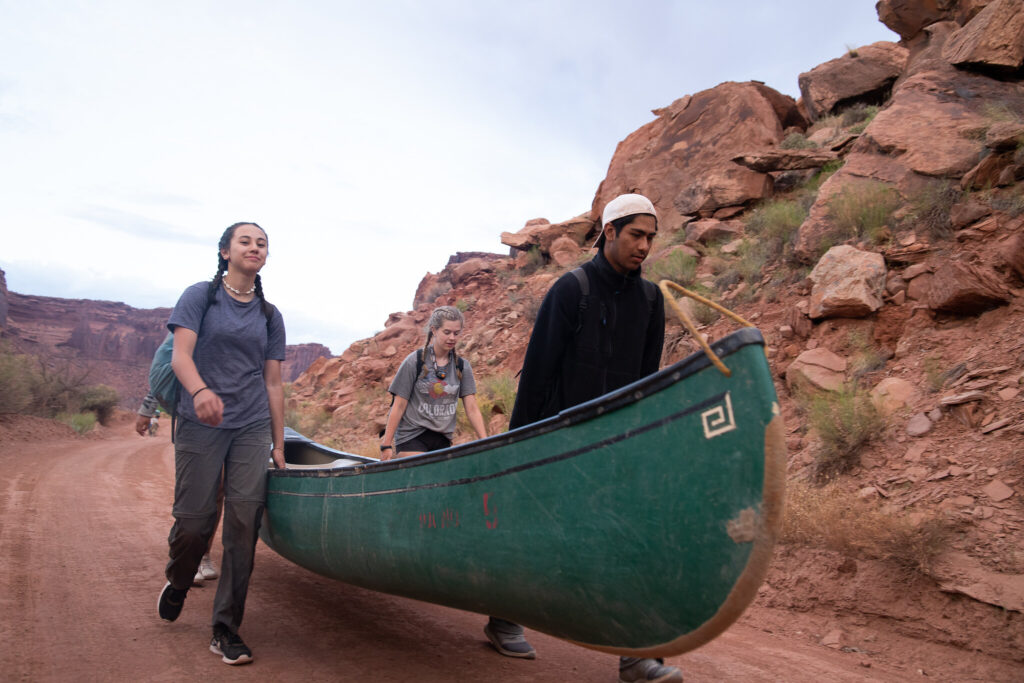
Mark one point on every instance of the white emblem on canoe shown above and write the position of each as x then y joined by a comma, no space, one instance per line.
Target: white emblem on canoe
718,420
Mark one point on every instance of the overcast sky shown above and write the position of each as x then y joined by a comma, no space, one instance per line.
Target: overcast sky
370,139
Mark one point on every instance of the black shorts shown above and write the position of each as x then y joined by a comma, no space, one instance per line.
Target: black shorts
426,440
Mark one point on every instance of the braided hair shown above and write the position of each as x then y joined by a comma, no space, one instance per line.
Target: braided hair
222,267
438,318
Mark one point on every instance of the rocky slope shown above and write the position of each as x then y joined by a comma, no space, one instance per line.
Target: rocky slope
902,274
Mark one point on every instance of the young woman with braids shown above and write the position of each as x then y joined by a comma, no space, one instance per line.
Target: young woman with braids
228,347
422,417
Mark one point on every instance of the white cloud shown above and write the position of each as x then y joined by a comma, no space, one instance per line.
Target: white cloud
371,140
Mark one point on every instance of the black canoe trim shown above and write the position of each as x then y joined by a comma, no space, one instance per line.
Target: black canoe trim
623,396
525,466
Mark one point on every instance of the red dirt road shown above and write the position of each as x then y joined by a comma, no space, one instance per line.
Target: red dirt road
83,528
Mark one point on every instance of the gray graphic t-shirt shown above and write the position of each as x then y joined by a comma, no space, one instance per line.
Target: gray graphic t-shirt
432,401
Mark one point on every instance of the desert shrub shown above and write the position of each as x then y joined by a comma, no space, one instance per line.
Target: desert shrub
677,266
845,421
796,141
831,121
751,259
858,117
465,304
829,517
776,219
808,192
534,261
499,391
929,209
934,375
101,400
306,419
80,422
531,307
1010,202
17,377
866,357
496,395
704,315
727,278
862,209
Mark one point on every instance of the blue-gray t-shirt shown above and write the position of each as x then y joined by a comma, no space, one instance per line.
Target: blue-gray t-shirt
432,401
234,341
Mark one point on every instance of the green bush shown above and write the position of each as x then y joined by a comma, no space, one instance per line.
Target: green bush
534,261
796,141
101,400
306,419
677,266
845,421
80,422
18,378
930,209
858,116
863,209
774,223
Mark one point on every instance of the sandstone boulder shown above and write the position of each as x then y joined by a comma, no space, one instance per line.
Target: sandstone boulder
848,283
987,172
991,41
964,213
1014,254
565,251
711,230
471,268
543,235
1004,136
816,369
965,289
681,160
893,394
864,75
785,159
909,17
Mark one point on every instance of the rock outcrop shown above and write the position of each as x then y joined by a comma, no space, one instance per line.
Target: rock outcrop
848,283
682,159
864,75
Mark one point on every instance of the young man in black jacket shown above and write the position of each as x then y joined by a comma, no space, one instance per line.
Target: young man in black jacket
596,330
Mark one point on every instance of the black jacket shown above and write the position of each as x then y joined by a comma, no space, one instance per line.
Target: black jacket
570,361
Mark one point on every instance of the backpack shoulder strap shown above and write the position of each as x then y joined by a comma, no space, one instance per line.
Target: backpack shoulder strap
584,281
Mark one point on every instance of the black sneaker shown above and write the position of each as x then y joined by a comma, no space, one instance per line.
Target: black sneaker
229,646
170,603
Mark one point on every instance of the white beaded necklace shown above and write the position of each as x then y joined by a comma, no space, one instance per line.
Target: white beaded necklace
238,291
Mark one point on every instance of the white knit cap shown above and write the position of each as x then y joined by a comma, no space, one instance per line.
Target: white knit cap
622,206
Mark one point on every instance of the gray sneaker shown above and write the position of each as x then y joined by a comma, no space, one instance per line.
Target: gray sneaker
508,639
632,670
207,569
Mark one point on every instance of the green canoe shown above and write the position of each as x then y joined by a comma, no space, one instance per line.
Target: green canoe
640,523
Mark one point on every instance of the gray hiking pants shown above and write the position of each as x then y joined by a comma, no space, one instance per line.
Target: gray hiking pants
200,452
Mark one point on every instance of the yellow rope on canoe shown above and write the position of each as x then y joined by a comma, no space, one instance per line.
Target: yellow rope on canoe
665,285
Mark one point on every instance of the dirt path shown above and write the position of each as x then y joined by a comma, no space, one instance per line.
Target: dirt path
83,527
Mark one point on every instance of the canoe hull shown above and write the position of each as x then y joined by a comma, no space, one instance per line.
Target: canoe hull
640,523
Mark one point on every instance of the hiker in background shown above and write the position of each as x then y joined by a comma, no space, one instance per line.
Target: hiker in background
600,327
229,343
426,390
147,411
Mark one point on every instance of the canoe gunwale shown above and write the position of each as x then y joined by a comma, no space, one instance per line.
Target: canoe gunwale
583,412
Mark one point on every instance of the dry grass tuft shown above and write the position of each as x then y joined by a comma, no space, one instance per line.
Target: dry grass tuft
829,517
845,421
